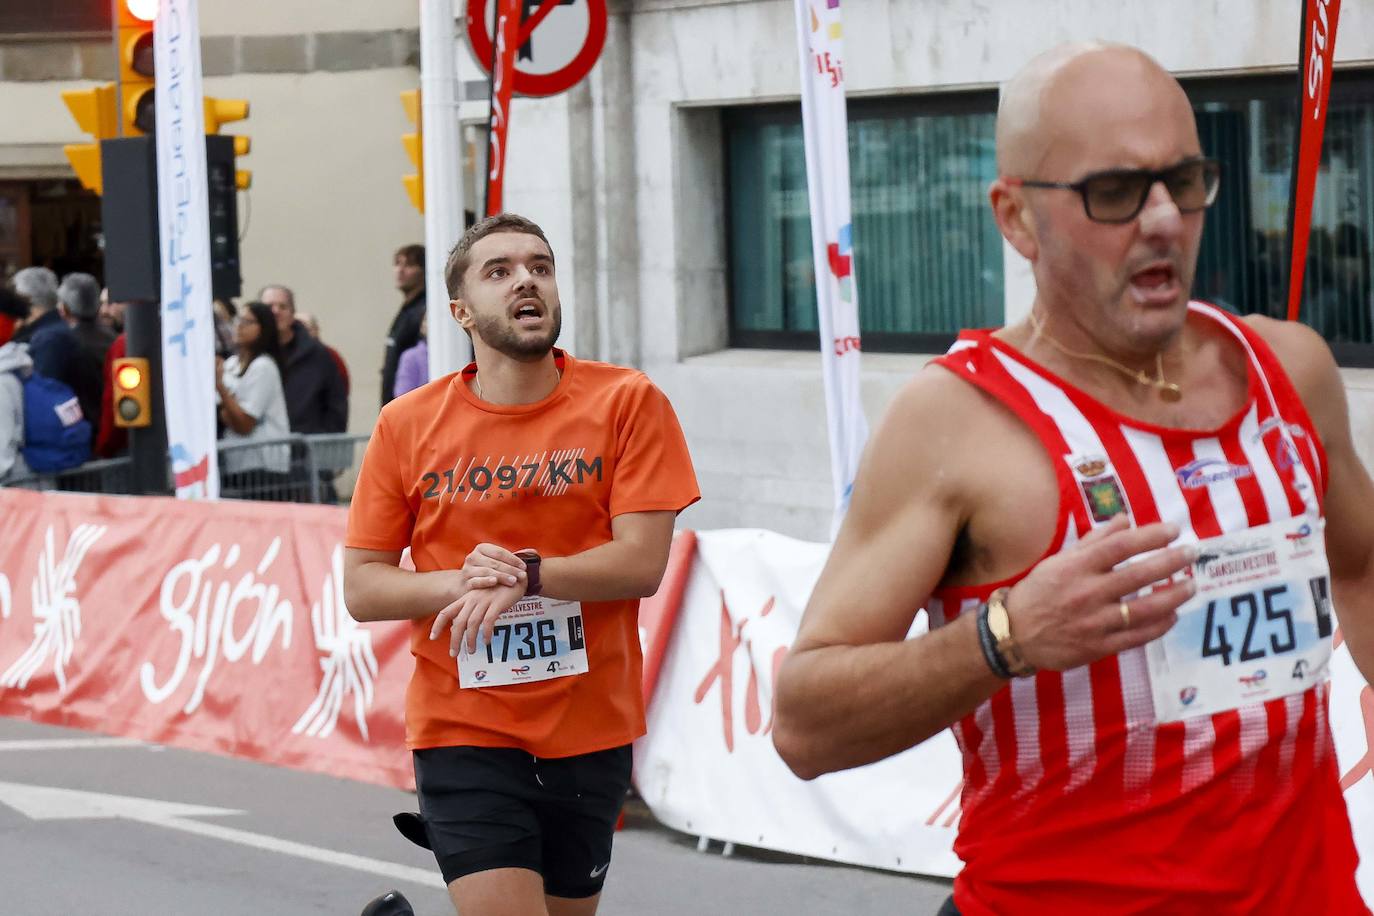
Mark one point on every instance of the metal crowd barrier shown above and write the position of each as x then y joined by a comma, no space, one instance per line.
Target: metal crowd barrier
318,468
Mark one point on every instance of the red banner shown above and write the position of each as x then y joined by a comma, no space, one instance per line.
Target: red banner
212,626
216,626
1317,44
502,88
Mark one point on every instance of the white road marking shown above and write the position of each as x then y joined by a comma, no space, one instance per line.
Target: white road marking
70,744
50,803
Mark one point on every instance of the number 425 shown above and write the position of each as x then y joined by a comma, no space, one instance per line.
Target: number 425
1247,606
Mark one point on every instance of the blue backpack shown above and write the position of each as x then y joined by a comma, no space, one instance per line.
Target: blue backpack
56,434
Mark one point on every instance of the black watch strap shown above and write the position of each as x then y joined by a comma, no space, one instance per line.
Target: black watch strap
533,584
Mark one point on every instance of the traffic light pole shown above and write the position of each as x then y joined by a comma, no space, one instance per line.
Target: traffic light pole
118,89
148,445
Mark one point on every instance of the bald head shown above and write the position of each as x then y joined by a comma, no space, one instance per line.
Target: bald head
1069,95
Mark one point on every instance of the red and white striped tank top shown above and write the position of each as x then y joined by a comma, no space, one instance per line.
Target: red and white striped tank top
1075,799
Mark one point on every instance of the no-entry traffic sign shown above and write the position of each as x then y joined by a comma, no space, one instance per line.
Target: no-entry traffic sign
555,58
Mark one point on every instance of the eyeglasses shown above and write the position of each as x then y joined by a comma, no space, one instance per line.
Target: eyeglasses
1118,196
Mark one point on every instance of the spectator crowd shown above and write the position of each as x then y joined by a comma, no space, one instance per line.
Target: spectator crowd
274,377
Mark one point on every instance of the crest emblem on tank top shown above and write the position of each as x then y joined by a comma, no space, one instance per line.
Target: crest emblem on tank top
1103,495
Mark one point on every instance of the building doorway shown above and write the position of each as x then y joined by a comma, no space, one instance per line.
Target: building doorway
50,222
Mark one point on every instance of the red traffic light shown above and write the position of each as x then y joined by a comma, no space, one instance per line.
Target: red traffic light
142,9
133,400
129,376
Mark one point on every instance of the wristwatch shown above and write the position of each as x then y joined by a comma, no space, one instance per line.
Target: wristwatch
1000,625
532,584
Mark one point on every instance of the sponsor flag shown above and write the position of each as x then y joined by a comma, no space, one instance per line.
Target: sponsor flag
1317,51
502,88
188,327
820,43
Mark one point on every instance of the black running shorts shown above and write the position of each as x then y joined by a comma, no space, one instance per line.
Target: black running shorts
498,807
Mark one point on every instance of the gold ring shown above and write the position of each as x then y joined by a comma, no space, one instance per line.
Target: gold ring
1125,616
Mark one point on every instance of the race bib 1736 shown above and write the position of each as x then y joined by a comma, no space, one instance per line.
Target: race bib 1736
536,640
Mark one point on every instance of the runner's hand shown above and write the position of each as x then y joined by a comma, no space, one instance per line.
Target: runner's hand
1067,611
476,611
490,565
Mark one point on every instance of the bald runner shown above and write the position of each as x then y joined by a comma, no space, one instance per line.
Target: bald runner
1130,519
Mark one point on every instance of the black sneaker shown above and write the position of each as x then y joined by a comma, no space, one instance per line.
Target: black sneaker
412,827
392,903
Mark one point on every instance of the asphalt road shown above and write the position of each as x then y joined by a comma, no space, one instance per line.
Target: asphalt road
101,826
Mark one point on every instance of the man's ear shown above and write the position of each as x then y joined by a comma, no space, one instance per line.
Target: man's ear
461,313
1014,218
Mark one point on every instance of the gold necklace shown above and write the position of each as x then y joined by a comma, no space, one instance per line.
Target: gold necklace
1169,391
477,382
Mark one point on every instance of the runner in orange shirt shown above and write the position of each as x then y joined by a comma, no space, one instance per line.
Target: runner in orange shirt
537,494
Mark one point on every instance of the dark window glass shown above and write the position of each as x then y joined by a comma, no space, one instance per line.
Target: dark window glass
54,16
1244,263
929,257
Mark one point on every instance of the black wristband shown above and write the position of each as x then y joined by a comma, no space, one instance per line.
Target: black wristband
989,645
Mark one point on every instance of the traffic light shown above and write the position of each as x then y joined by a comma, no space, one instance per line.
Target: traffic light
219,112
133,401
415,147
138,113
94,111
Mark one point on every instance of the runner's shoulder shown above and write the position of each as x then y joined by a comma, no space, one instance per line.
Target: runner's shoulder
419,402
613,381
943,428
1304,354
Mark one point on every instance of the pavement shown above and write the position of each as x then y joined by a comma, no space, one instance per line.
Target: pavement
91,824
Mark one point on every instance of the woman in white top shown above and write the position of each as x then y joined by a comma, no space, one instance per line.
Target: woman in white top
253,408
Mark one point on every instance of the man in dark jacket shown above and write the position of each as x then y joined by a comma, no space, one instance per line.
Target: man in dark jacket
316,401
79,301
316,396
52,345
409,262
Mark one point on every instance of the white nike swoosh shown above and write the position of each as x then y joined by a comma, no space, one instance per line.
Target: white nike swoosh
598,872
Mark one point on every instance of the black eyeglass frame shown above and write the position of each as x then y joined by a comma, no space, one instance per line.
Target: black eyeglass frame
1211,170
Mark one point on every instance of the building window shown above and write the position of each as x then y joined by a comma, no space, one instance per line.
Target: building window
1249,125
66,17
929,257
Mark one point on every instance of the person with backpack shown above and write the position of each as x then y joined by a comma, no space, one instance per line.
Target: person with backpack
14,359
42,428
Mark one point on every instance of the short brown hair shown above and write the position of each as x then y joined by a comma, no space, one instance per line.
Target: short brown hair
502,222
411,254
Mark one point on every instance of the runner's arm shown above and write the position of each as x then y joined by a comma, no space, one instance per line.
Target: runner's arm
1349,500
376,588
853,690
630,565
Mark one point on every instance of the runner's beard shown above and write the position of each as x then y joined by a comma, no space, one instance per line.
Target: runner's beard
497,333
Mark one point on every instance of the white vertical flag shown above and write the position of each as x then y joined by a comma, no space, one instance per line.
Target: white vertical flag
820,41
188,328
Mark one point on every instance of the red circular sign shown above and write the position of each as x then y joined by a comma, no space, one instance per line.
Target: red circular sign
560,80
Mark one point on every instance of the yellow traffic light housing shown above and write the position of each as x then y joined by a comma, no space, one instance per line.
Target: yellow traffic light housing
133,400
138,112
219,112
415,148
94,111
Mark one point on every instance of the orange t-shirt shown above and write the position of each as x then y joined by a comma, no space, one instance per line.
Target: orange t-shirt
446,471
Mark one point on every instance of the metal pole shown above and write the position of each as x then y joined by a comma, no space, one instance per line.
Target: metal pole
148,445
119,86
440,94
